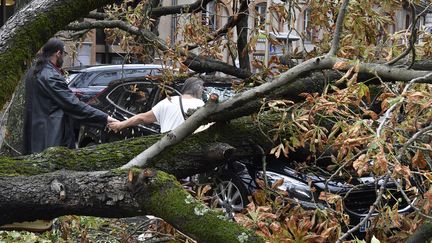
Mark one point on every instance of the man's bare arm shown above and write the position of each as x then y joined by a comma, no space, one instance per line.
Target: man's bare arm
147,117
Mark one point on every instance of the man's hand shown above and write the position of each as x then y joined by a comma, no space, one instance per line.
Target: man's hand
116,126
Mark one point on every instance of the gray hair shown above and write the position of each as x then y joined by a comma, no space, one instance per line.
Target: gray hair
193,86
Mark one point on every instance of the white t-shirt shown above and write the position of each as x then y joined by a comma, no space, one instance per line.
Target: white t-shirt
168,114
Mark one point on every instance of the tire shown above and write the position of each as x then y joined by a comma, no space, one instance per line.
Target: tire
230,194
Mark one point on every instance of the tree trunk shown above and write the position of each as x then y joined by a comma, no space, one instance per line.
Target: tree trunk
242,33
198,153
20,4
114,194
13,140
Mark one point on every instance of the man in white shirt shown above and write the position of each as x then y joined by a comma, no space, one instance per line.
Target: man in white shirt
168,112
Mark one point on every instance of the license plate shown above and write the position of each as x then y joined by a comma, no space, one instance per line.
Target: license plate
366,225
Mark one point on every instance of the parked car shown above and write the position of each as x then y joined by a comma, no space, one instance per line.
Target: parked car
235,181
126,97
87,82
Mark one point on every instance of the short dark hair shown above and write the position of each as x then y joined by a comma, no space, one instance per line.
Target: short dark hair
193,86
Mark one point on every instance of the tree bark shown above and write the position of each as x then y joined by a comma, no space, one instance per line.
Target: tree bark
179,9
422,234
242,33
114,194
12,144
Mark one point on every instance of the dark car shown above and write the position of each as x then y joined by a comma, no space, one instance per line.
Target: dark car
126,97
87,82
236,181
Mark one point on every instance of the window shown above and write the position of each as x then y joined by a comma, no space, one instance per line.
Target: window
209,15
82,80
133,97
260,15
307,30
105,78
136,72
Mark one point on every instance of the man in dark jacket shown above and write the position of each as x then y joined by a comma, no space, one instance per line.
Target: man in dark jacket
51,105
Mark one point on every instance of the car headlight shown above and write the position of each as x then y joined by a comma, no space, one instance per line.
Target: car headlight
294,187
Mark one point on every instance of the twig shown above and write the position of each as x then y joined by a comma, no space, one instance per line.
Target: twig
393,107
192,59
411,41
413,35
339,26
177,9
220,32
146,223
413,138
411,203
6,111
339,169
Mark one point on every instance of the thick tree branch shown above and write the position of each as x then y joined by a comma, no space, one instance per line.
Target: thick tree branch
200,117
199,153
197,6
242,36
97,15
232,21
213,111
194,62
114,194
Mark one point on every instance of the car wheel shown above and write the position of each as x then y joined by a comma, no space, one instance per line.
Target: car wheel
230,195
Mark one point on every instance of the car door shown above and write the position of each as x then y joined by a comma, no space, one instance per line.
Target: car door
129,99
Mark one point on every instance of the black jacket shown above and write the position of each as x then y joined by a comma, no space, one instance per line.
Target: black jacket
49,109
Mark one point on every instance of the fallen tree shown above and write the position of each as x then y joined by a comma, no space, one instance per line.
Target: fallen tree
197,154
164,154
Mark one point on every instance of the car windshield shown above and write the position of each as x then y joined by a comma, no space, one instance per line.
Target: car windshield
70,77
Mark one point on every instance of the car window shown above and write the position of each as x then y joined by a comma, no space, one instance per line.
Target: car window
105,78
70,77
224,93
133,97
135,73
82,80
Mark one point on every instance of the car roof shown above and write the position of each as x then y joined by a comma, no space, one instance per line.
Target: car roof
208,81
120,67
